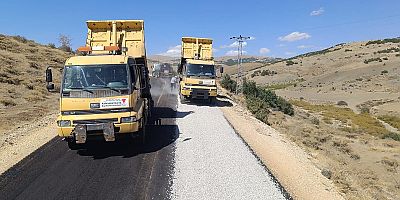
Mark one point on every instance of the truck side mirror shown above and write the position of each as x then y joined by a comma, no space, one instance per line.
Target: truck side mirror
49,75
221,70
50,86
49,80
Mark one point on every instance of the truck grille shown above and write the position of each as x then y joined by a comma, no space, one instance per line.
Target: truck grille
95,121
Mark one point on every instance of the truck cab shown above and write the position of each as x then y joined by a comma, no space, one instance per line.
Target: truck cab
198,80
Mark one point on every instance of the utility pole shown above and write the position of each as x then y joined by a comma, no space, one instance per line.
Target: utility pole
239,78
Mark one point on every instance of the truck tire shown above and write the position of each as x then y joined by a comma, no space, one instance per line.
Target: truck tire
212,100
142,134
73,145
142,130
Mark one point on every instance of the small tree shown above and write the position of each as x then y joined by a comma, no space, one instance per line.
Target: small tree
65,43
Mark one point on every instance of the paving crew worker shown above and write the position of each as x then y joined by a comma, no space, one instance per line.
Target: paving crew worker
173,82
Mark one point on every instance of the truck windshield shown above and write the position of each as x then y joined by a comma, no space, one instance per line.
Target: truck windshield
95,76
200,70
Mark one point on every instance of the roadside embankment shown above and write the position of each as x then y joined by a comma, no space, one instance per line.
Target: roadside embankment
291,165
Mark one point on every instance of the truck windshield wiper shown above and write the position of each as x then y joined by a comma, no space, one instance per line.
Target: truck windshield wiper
113,89
107,87
80,88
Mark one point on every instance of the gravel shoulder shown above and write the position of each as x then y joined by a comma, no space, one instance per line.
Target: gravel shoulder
22,141
287,162
212,162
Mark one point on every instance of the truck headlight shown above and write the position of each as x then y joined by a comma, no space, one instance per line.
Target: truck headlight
64,123
128,119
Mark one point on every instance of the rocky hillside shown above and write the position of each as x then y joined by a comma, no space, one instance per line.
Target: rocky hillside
356,72
23,94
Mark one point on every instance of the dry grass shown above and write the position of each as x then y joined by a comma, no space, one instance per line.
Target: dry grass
358,123
8,102
22,81
392,120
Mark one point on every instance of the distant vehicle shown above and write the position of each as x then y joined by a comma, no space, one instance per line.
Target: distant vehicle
197,70
162,70
105,92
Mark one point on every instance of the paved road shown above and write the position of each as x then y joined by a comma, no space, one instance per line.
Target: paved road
192,153
106,171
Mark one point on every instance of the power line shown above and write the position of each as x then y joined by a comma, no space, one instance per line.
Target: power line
239,78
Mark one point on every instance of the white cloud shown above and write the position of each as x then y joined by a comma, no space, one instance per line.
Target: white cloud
215,50
172,51
295,36
318,12
234,53
305,46
234,45
264,50
282,45
289,53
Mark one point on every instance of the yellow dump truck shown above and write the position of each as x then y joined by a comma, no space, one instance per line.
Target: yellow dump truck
105,92
197,70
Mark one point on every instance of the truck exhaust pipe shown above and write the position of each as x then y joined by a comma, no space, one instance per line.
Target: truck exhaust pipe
114,33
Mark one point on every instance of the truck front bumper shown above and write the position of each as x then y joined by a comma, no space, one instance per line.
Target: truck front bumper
99,124
199,92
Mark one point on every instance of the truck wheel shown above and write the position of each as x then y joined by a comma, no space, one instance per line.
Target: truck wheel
73,145
142,133
182,98
142,130
212,100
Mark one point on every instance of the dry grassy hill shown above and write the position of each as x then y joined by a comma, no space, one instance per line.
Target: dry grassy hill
355,72
347,113
23,94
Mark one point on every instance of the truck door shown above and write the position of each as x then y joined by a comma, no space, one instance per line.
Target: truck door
135,80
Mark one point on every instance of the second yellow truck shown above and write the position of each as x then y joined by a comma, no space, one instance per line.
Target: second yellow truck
197,70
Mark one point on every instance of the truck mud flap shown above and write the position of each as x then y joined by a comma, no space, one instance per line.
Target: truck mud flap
80,134
82,129
108,131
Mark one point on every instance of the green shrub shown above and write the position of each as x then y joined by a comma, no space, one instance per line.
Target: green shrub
394,136
390,50
290,62
258,108
251,90
392,40
285,106
52,45
228,83
384,72
372,60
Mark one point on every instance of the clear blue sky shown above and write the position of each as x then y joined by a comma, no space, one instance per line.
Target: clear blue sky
308,24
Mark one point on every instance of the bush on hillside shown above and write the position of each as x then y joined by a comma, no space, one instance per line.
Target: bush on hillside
228,83
259,100
251,90
258,108
392,40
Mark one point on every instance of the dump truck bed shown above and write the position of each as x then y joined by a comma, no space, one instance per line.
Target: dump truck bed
197,48
129,34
